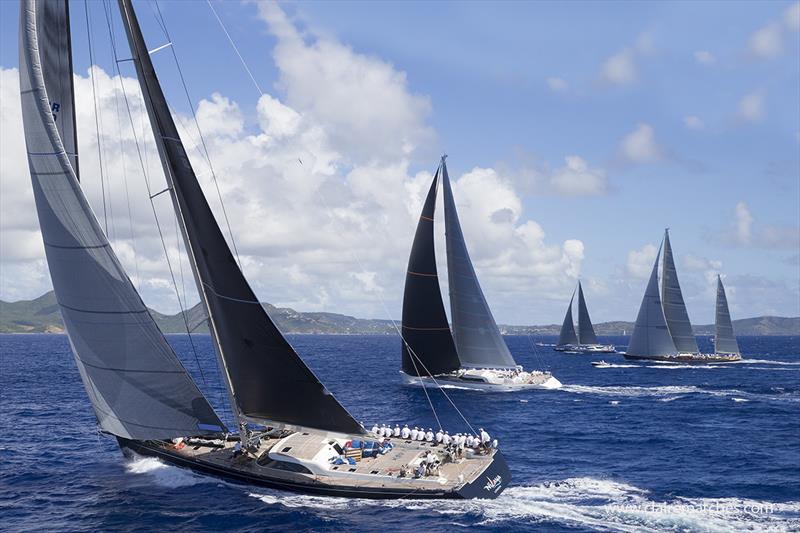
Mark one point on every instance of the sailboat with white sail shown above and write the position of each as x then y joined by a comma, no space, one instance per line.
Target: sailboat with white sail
585,340
663,331
293,434
473,354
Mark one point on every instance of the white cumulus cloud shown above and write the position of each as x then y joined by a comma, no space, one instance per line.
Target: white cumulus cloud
704,57
751,107
640,262
693,123
640,145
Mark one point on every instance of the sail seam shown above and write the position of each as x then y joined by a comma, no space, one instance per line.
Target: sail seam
79,310
76,247
423,274
113,369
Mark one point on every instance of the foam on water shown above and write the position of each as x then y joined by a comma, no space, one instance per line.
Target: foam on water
163,474
584,502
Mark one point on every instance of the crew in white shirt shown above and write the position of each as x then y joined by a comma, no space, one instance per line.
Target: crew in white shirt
421,435
485,438
429,435
414,433
446,438
439,436
470,441
375,429
396,430
406,433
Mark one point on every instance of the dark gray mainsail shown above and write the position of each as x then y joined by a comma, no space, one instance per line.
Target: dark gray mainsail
567,335
137,385
650,335
674,308
585,330
266,378
724,338
427,341
478,340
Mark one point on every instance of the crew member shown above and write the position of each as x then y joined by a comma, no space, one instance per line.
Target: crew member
414,433
405,433
396,430
429,435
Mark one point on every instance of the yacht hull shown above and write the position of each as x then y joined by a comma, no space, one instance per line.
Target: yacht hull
692,359
487,485
546,382
587,349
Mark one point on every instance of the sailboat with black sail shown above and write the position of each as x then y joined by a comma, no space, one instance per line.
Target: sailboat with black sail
473,354
585,341
293,434
663,331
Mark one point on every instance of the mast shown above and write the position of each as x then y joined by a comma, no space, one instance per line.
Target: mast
724,337
586,333
267,381
650,336
478,340
427,343
135,382
567,335
674,307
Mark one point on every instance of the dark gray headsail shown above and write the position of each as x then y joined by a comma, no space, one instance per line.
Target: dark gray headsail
477,337
137,385
567,335
267,380
427,342
55,46
724,338
674,308
585,330
650,335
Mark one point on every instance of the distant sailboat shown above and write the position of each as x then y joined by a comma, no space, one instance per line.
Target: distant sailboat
474,353
724,338
585,341
663,331
293,434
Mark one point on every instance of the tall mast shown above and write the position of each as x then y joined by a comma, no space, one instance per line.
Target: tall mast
142,62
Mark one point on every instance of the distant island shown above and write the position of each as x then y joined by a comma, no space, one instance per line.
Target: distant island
42,316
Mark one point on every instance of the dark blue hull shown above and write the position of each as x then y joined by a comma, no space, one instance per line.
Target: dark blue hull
488,485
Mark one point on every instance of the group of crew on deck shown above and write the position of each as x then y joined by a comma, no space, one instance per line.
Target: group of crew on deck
481,442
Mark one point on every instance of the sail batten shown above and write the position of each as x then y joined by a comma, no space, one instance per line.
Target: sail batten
674,307
586,333
266,378
135,382
427,343
477,338
724,338
651,335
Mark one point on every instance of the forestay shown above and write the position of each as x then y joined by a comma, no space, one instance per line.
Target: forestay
477,337
427,341
137,385
586,333
650,335
674,308
724,338
267,379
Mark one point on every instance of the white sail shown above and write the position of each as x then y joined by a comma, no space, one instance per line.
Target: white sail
650,335
136,384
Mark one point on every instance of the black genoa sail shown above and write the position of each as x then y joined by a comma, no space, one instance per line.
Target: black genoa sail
567,335
135,382
267,380
724,338
586,333
427,342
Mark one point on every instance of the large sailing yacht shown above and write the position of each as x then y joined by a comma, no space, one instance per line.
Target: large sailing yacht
663,331
293,434
473,354
724,337
585,341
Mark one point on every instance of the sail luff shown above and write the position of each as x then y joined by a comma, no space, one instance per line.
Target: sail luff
427,343
724,337
268,380
567,334
650,336
586,333
137,385
477,338
674,307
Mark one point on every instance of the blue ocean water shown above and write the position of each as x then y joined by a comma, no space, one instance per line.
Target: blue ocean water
635,447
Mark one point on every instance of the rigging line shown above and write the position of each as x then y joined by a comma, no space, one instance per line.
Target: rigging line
155,216
121,149
319,195
96,113
235,48
200,133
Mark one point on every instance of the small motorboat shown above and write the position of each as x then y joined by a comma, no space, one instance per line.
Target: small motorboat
601,364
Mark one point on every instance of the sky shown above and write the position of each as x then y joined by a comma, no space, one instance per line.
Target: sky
575,132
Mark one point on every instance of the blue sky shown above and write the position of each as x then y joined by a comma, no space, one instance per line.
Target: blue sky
679,114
